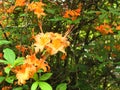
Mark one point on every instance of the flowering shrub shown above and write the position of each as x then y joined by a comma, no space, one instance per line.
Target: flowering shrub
59,45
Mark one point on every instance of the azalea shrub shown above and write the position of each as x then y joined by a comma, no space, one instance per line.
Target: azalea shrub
59,45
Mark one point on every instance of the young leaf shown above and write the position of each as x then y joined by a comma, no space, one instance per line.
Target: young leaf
9,55
18,88
34,86
18,61
10,79
45,76
35,77
45,86
62,86
1,78
4,62
4,42
7,70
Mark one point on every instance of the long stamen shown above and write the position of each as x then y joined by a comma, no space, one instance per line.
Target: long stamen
68,30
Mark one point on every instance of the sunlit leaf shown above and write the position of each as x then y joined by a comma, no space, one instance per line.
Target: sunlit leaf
4,42
34,86
45,86
62,86
1,78
45,76
9,55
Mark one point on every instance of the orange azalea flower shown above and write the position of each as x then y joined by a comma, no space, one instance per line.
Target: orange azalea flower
3,17
39,64
117,46
1,73
37,8
11,9
1,55
21,48
107,48
104,29
1,2
58,44
63,56
41,41
20,2
24,72
98,12
29,68
113,55
72,14
52,42
118,27
7,34
6,88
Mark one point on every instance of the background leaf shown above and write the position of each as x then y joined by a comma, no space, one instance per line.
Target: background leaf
45,76
4,42
34,86
9,55
45,86
1,78
10,79
62,86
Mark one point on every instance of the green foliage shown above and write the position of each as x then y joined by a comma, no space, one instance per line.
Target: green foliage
62,86
10,79
92,61
39,81
45,86
4,42
9,55
34,85
1,79
7,70
45,76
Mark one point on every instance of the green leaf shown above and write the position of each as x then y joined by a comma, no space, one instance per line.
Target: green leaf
3,61
1,78
18,88
4,42
57,19
35,77
45,76
10,79
51,11
7,70
34,86
119,33
40,70
25,87
9,55
62,86
100,59
76,21
45,86
19,61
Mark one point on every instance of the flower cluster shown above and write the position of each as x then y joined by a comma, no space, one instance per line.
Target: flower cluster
6,88
118,27
29,68
104,29
37,8
17,3
21,49
73,14
52,42
20,2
